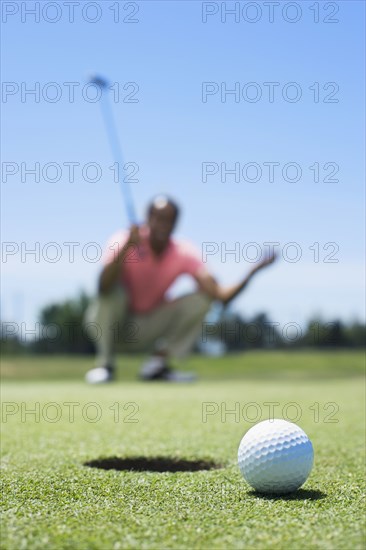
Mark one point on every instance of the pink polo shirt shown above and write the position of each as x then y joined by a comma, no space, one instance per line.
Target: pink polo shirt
147,277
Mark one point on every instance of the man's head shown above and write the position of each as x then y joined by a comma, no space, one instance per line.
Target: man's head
162,215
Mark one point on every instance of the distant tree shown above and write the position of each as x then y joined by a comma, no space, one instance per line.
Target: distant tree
61,328
262,333
238,334
356,334
10,341
325,334
336,334
230,331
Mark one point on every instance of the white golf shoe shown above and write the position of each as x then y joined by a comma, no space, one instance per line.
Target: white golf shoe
99,375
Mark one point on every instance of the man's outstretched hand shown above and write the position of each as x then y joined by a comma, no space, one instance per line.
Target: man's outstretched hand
208,283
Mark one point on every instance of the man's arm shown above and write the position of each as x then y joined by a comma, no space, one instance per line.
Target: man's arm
208,283
112,271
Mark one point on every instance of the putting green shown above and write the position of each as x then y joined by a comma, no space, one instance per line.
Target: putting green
51,429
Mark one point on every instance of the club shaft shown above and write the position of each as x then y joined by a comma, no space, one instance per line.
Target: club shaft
117,154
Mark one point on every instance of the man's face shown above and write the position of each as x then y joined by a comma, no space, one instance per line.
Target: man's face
161,222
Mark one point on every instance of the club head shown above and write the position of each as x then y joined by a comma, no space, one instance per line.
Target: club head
98,80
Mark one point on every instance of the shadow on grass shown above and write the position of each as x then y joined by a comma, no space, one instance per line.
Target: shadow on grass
152,464
300,494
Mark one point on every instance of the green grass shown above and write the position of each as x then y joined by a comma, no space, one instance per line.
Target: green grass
254,364
51,499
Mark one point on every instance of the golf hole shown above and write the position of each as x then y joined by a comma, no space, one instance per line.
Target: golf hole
152,464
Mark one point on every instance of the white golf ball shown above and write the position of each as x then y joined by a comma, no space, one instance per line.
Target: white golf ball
275,456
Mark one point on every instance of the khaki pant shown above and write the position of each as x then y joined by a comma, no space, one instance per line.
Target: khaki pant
174,326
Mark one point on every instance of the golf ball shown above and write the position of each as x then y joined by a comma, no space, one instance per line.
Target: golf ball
275,456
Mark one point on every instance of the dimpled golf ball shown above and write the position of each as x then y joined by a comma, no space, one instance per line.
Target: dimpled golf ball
275,456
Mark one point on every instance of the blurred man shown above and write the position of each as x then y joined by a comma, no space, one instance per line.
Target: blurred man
139,267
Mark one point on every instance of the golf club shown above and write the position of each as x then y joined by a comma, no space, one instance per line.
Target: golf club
115,144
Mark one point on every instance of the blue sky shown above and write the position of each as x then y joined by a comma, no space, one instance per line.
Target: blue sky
169,132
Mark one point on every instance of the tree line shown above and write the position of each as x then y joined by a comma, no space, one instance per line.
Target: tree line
60,330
